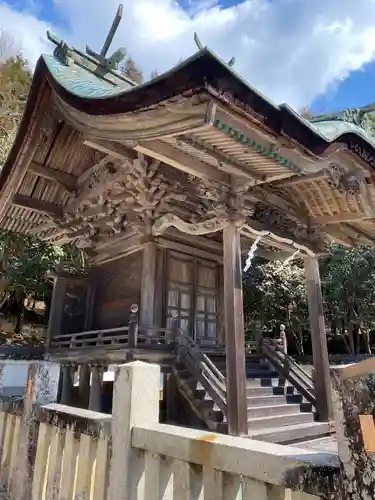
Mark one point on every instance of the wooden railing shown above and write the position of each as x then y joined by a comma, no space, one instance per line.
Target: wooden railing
123,337
115,338
73,454
203,369
289,369
22,352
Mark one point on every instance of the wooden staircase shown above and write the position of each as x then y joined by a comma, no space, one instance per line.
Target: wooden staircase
277,411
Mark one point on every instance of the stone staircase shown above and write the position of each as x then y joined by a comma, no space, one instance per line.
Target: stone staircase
276,411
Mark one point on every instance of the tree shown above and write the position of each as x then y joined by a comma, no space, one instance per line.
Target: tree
26,264
130,70
306,113
15,81
348,281
275,294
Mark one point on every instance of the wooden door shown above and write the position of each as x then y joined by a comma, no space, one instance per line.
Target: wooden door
206,301
180,290
192,294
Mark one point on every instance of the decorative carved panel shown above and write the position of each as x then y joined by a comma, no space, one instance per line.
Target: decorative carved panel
275,220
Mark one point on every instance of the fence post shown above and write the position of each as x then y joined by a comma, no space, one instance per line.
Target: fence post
41,388
135,402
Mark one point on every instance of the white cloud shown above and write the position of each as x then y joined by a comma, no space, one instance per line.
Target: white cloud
291,50
27,33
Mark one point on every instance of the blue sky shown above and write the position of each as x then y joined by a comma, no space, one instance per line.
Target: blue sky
317,53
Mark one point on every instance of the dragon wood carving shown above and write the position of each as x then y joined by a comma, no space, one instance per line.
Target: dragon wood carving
115,197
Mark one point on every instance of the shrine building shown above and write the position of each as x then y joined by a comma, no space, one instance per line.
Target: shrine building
167,186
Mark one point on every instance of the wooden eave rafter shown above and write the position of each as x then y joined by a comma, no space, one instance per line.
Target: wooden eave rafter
35,205
67,181
165,153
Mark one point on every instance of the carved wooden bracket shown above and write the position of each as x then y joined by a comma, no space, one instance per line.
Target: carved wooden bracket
118,195
219,201
349,182
275,219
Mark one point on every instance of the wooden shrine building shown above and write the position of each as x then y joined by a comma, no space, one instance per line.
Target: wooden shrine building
167,186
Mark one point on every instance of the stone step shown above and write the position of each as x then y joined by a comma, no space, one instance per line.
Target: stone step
279,421
272,399
269,391
292,434
272,410
267,382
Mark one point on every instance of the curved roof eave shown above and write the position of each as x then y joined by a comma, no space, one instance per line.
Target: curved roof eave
24,134
203,71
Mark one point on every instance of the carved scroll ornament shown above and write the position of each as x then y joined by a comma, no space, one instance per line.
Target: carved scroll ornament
199,228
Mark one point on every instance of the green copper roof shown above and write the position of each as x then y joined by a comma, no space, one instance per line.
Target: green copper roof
357,120
331,129
82,82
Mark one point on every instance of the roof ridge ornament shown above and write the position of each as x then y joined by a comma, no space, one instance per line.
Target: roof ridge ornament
198,43
67,54
356,116
119,55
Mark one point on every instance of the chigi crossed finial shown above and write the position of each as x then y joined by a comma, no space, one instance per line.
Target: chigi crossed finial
64,52
113,61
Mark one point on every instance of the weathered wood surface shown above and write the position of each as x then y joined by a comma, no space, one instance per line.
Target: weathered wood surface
319,340
118,286
234,332
148,285
291,370
203,370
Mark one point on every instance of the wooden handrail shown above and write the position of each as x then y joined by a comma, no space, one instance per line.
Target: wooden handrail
299,367
288,368
203,369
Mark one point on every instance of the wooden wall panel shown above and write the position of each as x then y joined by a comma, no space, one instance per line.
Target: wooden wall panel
73,315
118,286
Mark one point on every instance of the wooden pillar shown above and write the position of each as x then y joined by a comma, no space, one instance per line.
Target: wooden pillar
57,308
234,332
67,384
96,389
90,302
318,340
84,385
148,285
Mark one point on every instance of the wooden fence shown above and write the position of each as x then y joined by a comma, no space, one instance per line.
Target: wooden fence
62,453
